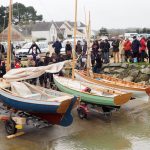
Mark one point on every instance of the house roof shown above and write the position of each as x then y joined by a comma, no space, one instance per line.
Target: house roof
23,30
72,24
59,23
42,26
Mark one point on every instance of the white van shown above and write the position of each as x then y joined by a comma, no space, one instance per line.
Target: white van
131,35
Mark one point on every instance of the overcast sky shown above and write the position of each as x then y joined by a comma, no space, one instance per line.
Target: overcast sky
104,13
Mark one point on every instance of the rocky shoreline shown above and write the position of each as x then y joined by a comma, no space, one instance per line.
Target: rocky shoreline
128,72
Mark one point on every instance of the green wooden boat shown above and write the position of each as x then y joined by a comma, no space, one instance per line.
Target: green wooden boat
99,96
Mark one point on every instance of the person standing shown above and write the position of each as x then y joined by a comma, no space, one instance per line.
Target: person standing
79,48
98,64
17,63
31,63
143,48
2,69
115,45
47,59
2,51
34,47
127,48
101,46
106,51
68,50
148,47
135,48
121,50
85,47
41,78
95,48
57,47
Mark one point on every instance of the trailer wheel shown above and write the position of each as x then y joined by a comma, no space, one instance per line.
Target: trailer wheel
81,113
107,112
10,127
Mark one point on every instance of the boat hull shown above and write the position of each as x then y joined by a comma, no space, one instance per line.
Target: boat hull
53,112
138,94
86,97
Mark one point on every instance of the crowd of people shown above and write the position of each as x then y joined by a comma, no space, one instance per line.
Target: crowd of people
123,51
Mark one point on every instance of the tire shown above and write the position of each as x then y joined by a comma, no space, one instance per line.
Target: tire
81,113
10,127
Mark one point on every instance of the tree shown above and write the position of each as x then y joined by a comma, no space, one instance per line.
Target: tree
22,15
144,30
3,18
138,31
103,32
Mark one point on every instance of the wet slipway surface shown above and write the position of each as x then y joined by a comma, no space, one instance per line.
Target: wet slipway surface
129,129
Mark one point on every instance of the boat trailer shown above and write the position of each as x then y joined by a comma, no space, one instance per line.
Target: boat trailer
85,109
17,120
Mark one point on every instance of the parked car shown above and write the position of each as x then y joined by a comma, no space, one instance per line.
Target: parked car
23,52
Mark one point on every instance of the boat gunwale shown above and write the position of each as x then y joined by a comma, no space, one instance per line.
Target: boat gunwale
29,100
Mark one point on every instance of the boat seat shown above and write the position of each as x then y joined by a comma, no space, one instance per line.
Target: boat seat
20,89
36,96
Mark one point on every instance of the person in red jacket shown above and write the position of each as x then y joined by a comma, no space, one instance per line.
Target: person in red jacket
17,64
127,48
143,48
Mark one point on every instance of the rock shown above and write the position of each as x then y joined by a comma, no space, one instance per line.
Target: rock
142,77
120,70
115,65
133,66
125,65
105,65
116,75
142,82
145,70
129,78
112,69
134,73
106,70
143,66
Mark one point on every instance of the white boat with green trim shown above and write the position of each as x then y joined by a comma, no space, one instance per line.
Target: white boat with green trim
97,95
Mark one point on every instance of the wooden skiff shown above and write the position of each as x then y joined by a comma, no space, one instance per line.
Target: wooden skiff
100,96
50,105
139,91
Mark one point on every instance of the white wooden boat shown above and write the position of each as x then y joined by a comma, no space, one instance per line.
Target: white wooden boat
50,105
139,91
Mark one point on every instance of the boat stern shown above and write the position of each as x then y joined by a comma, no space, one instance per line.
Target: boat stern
148,91
122,99
67,117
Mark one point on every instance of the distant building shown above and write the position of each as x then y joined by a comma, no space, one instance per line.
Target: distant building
57,30
18,34
49,31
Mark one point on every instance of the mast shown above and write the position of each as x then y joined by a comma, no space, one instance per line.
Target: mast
75,34
89,66
9,37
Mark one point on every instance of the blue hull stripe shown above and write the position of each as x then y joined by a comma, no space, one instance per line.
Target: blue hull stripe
29,107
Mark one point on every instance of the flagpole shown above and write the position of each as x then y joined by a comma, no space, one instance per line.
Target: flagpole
75,34
9,37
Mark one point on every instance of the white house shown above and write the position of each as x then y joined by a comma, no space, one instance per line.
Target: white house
44,30
55,30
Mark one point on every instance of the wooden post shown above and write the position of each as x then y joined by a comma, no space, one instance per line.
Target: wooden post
9,37
75,34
